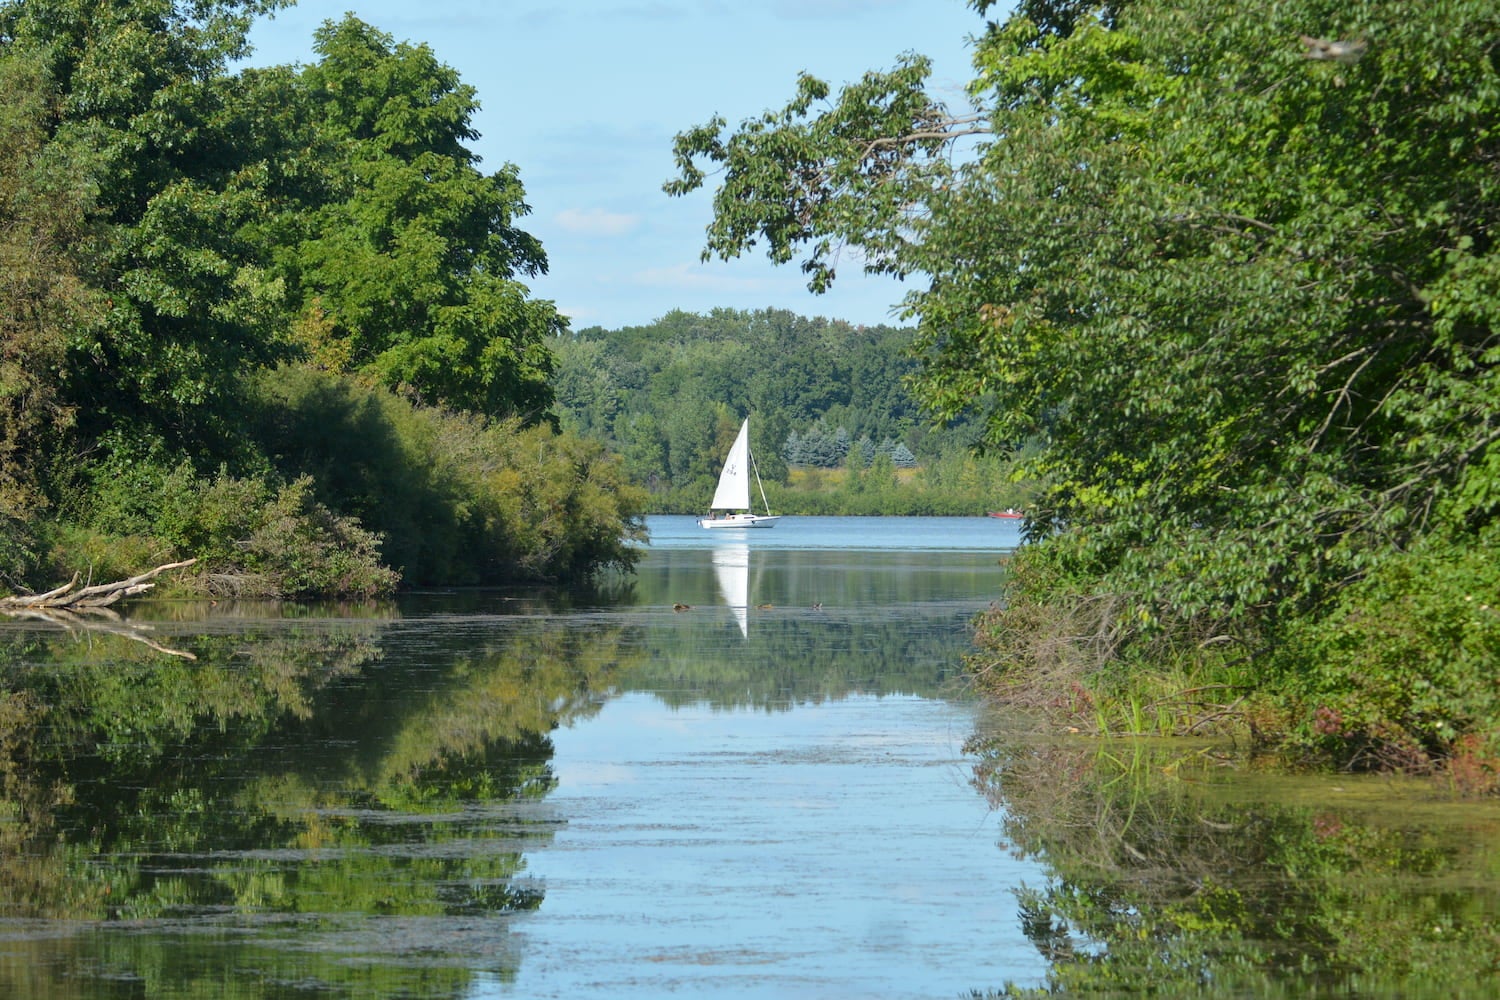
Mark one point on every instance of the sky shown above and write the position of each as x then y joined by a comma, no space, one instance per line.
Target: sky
585,97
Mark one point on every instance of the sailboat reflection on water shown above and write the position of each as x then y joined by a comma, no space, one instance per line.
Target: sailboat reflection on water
732,567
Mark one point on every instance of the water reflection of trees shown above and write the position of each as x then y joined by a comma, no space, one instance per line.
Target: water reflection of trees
797,655
1166,879
344,796
819,625
297,780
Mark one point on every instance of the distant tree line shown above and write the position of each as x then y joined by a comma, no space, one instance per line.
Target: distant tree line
821,394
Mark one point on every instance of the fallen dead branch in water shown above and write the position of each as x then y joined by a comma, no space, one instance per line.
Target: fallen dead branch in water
70,596
87,608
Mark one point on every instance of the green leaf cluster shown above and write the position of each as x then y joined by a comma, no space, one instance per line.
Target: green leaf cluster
855,172
408,259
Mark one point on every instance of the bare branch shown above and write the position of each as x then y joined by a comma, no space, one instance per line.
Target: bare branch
96,596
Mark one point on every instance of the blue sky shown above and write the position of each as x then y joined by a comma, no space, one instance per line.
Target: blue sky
585,97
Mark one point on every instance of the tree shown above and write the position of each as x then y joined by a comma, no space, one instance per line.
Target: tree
171,234
153,147
46,206
861,452
588,395
1217,300
899,454
413,263
1245,293
848,175
823,448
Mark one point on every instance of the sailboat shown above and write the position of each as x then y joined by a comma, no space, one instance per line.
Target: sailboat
733,494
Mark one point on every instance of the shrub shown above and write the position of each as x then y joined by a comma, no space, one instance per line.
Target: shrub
17,549
457,499
308,551
365,489
1404,665
95,555
253,536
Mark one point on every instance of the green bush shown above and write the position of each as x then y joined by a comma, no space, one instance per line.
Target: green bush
361,489
17,549
308,551
96,556
1405,662
252,536
457,499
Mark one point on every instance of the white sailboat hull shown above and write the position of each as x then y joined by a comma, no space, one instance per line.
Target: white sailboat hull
739,520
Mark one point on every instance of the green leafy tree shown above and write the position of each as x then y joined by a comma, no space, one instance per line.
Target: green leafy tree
801,179
412,265
46,201
1242,284
587,387
165,145
171,234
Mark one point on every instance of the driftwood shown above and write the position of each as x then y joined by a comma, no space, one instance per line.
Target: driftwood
86,608
70,596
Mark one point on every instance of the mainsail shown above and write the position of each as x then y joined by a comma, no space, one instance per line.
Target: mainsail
734,482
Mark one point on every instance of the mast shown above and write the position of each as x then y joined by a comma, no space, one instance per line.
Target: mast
764,502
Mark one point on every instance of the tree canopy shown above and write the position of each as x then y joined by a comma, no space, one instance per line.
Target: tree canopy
409,263
177,236
1236,264
147,135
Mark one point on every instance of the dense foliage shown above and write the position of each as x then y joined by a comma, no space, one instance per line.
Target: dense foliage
1236,264
182,247
833,417
406,267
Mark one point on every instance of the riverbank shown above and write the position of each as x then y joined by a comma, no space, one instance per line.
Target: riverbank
1320,697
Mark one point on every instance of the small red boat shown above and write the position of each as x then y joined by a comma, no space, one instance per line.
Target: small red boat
1009,512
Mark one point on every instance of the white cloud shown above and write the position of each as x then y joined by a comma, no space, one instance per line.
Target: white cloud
579,317
597,222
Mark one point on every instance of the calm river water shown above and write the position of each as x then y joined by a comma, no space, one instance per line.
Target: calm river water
747,770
